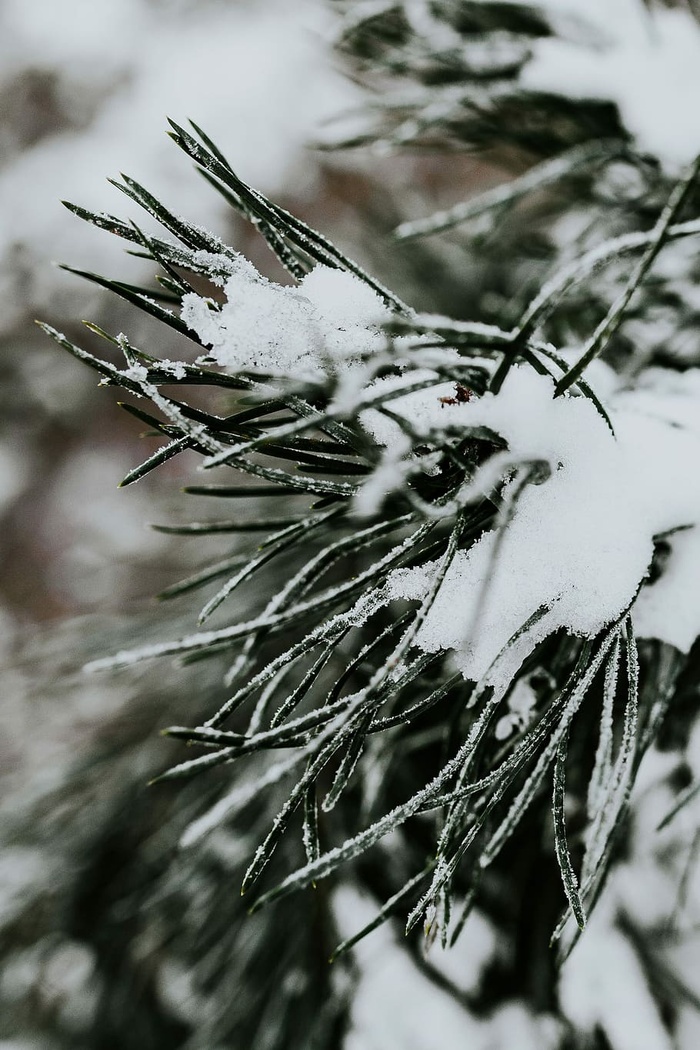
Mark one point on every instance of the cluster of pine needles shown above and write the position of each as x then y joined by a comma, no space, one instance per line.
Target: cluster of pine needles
373,736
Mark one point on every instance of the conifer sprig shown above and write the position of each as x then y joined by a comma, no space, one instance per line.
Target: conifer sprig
329,661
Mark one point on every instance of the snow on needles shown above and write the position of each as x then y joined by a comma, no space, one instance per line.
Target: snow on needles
258,76
580,535
581,542
328,321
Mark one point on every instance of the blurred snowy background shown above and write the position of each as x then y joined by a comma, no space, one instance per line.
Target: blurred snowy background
85,88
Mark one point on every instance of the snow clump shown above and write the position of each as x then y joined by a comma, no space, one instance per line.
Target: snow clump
580,543
328,322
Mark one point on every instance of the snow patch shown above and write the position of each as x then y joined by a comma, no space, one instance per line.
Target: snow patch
580,543
578,538
330,320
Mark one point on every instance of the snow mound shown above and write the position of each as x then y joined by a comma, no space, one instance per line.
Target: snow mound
580,543
327,322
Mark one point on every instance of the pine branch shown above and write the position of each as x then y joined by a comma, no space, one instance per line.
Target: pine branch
397,434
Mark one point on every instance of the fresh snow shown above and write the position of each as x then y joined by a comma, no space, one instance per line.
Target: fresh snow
581,542
604,985
521,707
645,58
327,322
